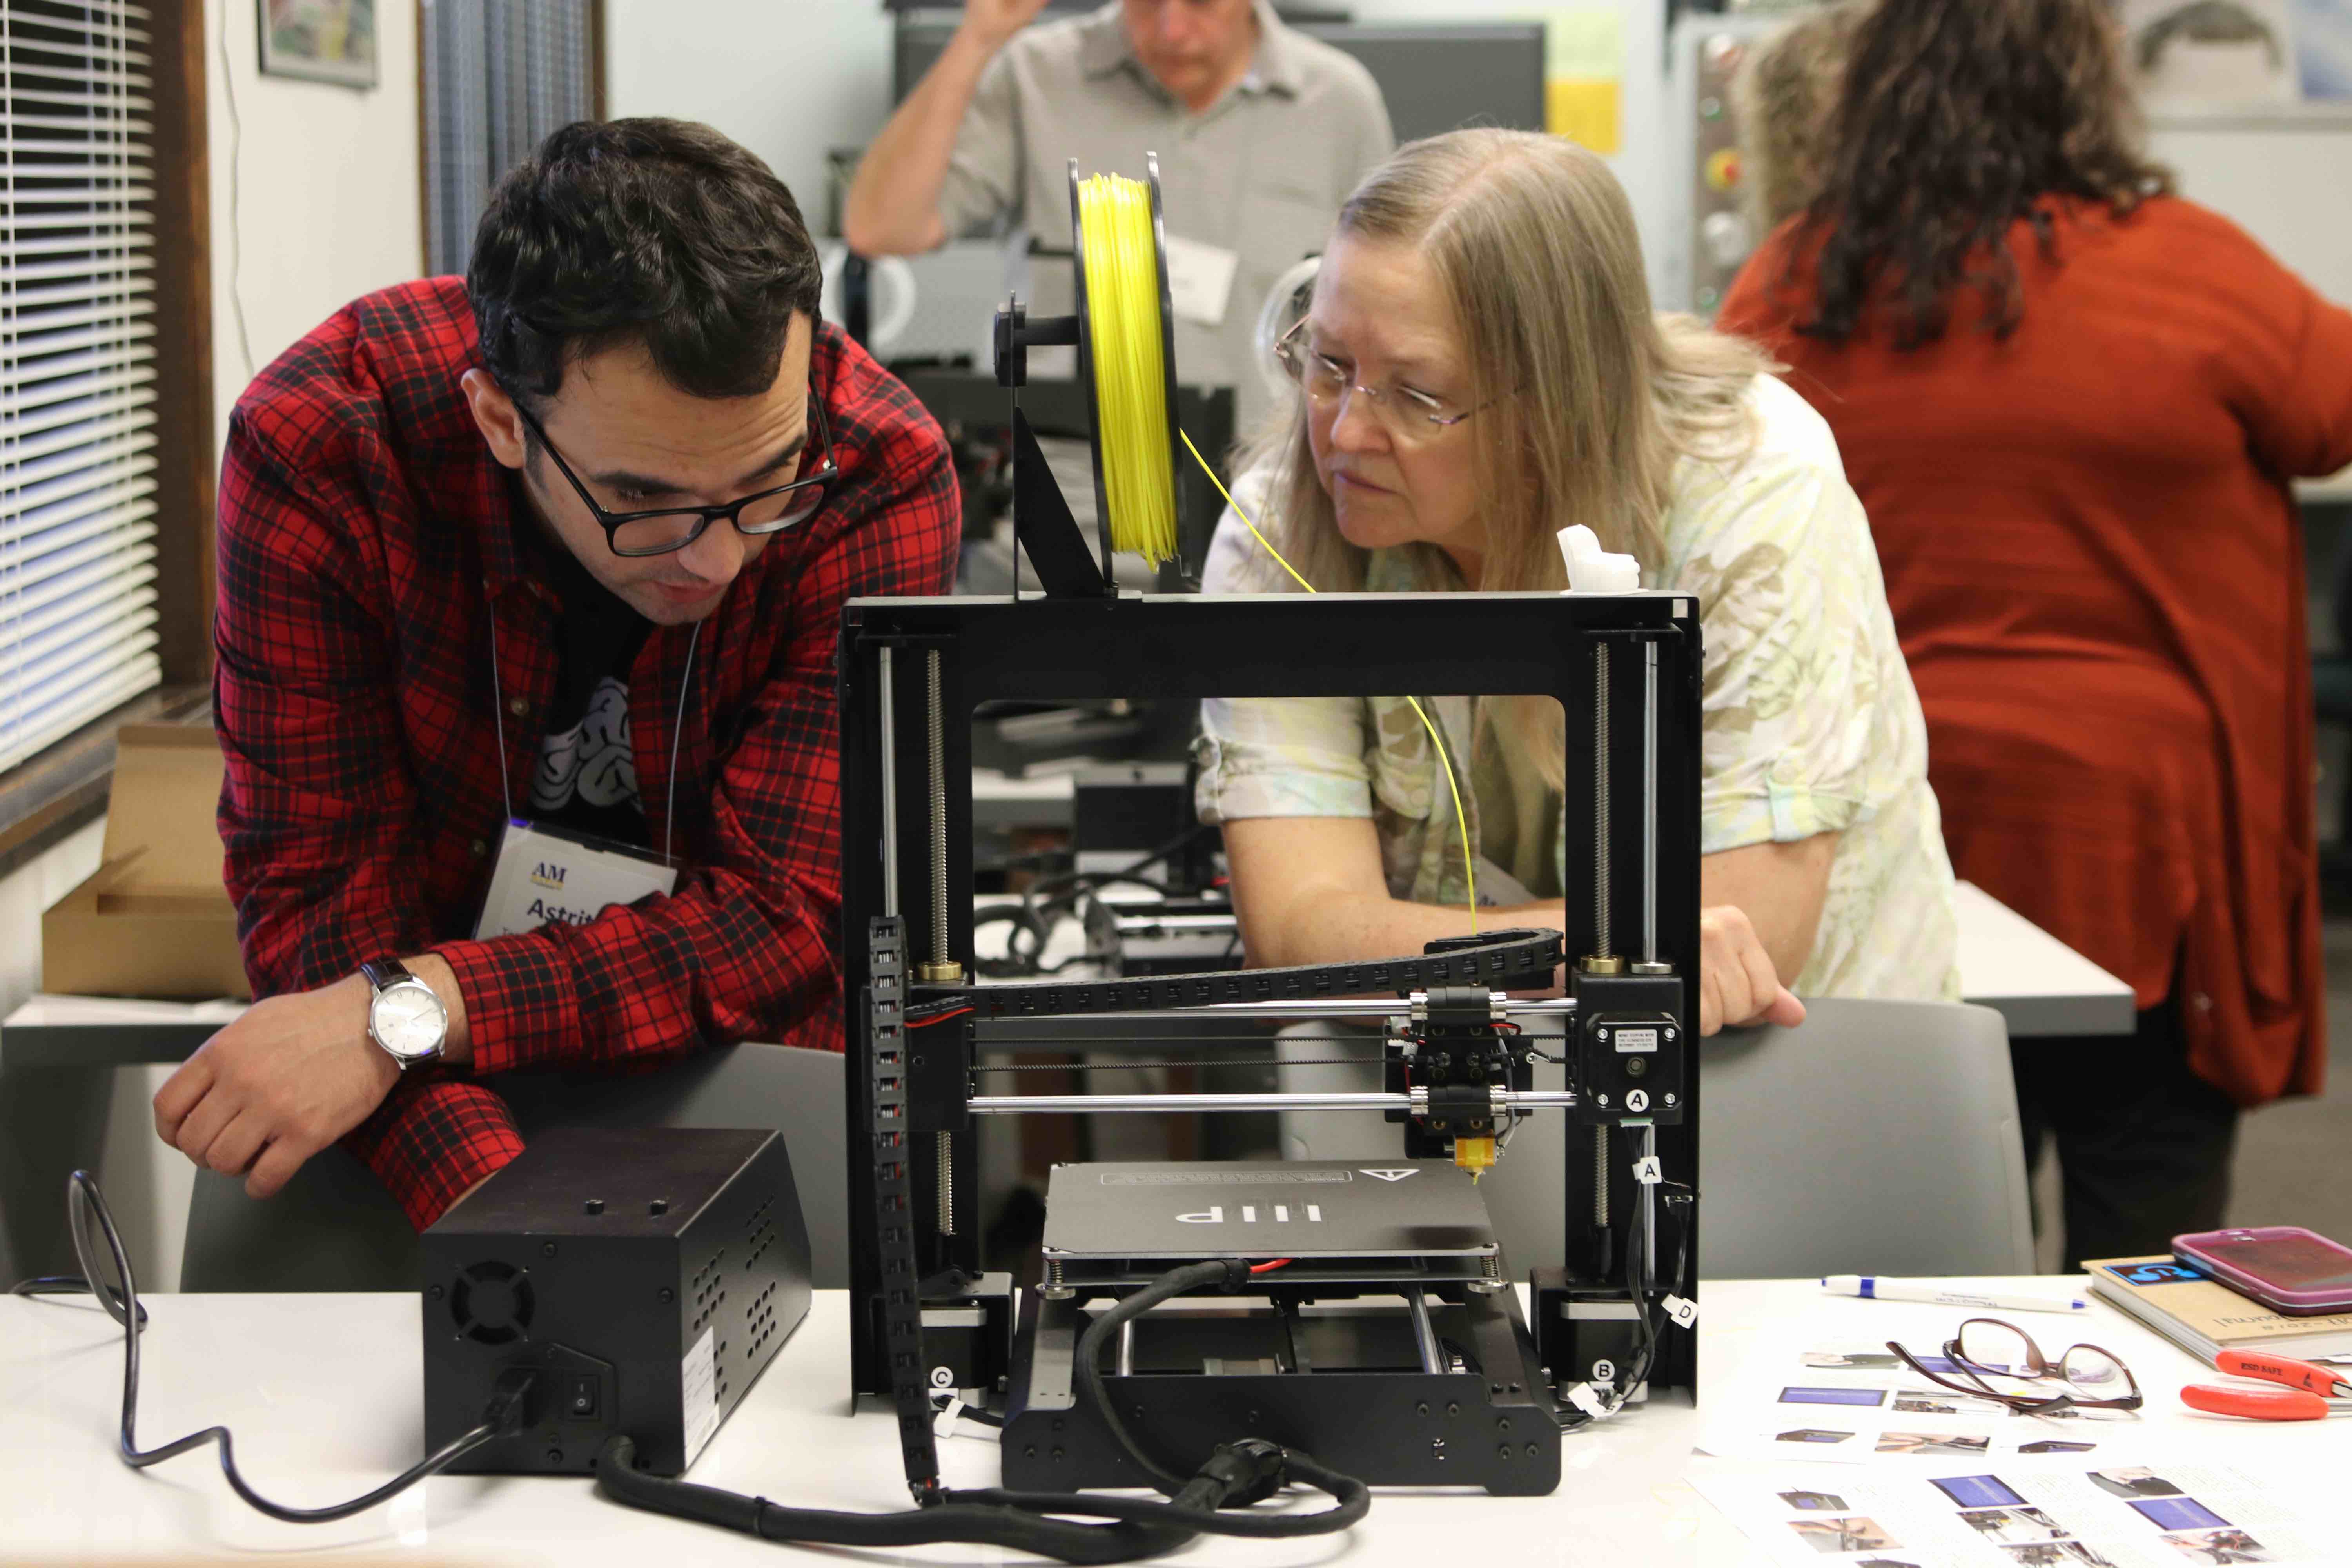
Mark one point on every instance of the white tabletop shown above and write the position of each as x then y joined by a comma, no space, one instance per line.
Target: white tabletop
2037,982
322,1393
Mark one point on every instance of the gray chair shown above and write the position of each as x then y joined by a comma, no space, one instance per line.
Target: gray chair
1877,1138
334,1227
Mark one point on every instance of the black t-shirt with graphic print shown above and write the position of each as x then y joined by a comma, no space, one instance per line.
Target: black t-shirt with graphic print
587,781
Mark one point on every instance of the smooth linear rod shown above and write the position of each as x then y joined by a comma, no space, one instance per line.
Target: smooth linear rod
1337,1008
1093,1104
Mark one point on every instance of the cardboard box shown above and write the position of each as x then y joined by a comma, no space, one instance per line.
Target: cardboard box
154,920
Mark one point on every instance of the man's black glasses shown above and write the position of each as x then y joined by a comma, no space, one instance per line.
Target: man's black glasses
661,530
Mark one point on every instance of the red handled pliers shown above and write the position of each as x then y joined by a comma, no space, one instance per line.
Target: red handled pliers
2309,1392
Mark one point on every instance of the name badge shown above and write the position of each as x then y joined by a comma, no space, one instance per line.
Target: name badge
1200,280
545,875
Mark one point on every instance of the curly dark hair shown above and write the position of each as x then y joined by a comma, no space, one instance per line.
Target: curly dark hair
1954,122
660,231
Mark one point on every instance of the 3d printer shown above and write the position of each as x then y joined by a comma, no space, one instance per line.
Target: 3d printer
1378,1328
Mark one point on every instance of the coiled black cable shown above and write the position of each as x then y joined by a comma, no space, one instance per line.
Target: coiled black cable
1192,1276
1233,1476
953,1519
1237,1473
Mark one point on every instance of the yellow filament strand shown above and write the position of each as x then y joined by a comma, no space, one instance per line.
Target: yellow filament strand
1122,278
1461,818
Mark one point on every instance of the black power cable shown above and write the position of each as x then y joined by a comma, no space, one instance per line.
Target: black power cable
85,1205
1226,1272
1236,1475
70,1285
1233,1476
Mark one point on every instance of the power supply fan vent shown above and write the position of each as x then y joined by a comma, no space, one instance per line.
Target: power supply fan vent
492,1303
709,1289
760,1319
760,1234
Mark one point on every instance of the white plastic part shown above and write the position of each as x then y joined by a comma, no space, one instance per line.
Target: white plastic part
1681,1311
1582,1396
1646,1171
1593,569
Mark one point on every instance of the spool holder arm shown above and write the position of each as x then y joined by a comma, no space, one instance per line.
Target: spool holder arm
1043,523
1016,334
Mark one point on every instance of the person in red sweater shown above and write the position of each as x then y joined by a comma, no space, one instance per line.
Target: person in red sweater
566,541
2072,404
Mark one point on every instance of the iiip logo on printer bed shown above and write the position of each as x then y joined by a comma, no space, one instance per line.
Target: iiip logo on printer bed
1289,1214
1254,1214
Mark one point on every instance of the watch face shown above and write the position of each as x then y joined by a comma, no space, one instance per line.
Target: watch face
408,1020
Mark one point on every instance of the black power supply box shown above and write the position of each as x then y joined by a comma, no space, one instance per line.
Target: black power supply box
647,1274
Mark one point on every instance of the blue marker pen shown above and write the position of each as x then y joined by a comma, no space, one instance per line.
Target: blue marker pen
1941,1293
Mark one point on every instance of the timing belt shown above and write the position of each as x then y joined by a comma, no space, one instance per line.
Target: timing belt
1502,960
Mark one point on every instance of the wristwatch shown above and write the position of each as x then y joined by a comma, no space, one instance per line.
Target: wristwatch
406,1017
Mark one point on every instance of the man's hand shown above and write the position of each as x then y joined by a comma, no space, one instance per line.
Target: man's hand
291,1076
1737,985
992,22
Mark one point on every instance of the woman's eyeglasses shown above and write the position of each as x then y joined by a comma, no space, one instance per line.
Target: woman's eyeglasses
659,530
1408,413
1988,1353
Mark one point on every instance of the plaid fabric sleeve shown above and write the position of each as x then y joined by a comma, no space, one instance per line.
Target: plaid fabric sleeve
315,824
318,829
432,1139
744,949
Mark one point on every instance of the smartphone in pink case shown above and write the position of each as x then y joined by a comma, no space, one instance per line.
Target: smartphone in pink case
2288,1268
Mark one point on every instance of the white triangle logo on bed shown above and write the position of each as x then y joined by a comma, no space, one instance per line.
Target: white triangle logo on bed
1391,1175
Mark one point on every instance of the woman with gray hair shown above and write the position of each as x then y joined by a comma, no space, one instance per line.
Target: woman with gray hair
1479,368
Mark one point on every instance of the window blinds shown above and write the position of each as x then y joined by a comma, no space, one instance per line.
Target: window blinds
76,369
499,74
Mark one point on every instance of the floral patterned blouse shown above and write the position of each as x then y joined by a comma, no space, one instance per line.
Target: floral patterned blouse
1810,724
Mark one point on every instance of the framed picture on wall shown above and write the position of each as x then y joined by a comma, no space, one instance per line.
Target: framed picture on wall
320,40
2208,54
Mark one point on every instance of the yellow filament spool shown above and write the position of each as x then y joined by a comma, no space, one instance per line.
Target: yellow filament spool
1130,370
1118,252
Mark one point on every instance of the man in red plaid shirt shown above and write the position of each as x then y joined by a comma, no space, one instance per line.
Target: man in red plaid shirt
567,540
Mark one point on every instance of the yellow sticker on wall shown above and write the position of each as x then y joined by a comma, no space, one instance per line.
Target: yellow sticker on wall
1585,68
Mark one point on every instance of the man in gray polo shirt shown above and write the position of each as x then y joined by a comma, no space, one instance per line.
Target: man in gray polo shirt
1261,131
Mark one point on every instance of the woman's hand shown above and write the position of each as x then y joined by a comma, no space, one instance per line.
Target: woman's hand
1736,982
